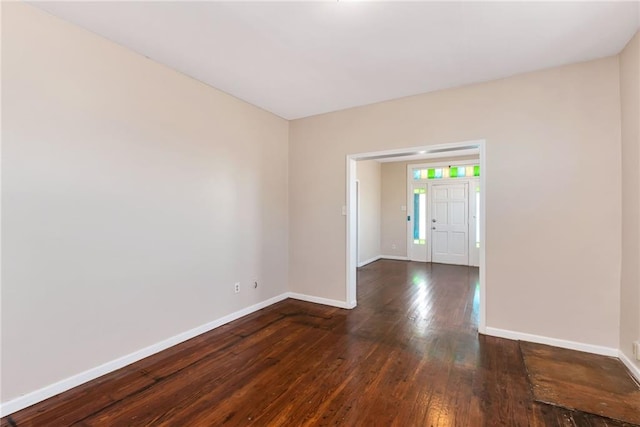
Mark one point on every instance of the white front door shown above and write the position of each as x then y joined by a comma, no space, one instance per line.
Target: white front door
450,223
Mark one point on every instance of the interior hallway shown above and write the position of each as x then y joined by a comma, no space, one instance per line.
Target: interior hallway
408,355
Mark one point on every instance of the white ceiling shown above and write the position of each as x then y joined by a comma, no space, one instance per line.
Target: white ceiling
301,59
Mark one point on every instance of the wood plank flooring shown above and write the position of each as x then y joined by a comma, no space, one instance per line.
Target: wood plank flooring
408,355
582,381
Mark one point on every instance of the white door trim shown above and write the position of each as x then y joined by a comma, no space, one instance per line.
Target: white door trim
351,260
474,252
358,221
441,164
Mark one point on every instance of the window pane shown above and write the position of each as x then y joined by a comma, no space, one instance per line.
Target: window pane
447,172
477,217
416,215
419,216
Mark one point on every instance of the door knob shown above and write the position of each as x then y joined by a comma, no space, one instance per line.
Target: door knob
433,228
433,220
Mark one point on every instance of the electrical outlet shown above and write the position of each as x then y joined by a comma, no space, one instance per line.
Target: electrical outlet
636,349
236,287
393,246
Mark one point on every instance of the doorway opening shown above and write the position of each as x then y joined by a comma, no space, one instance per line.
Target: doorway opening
443,212
451,197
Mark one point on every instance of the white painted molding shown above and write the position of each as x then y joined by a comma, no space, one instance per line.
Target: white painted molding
24,401
369,261
21,402
394,257
632,367
571,345
51,390
320,300
379,257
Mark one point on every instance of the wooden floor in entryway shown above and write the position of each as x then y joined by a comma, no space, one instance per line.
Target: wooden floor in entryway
408,355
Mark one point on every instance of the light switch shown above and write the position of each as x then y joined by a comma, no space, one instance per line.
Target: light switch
403,208
344,210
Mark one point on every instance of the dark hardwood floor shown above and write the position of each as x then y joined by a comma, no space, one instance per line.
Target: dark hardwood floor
582,381
408,355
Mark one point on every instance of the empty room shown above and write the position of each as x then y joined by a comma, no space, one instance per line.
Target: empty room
341,213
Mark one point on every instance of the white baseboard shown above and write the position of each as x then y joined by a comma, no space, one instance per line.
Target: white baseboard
51,390
633,368
320,300
376,258
21,402
571,345
368,261
395,257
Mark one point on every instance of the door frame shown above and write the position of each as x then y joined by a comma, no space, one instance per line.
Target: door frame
358,222
429,190
437,150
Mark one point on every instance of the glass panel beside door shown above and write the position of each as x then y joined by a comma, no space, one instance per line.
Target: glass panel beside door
419,216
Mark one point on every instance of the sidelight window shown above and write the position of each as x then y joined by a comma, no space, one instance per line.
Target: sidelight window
419,216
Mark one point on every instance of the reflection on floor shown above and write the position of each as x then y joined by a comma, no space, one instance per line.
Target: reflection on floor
408,355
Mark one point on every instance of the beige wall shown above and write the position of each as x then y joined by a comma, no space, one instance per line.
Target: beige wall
368,175
393,232
553,222
393,220
630,284
133,198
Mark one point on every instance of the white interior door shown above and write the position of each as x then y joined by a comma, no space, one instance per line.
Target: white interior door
450,223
